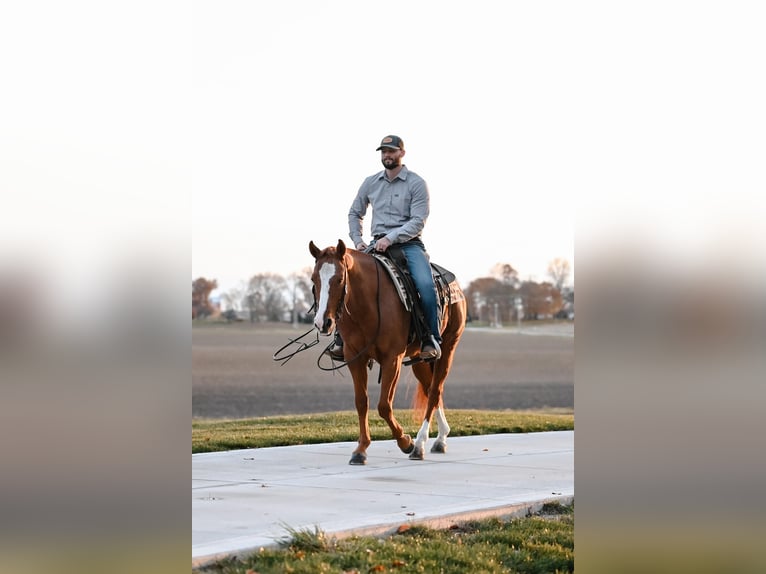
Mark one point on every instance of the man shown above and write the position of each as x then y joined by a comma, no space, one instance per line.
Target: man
400,208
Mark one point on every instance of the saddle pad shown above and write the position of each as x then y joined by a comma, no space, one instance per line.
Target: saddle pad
390,266
443,279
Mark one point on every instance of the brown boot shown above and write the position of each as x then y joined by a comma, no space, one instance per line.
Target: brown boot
430,351
336,351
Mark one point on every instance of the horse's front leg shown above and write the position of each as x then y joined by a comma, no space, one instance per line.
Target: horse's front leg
389,376
359,374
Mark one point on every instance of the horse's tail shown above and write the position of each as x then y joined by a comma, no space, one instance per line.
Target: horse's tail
419,404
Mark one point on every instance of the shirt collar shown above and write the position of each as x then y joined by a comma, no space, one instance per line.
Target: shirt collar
401,175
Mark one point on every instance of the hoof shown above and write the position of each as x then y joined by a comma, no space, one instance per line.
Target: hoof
358,458
417,454
439,448
410,448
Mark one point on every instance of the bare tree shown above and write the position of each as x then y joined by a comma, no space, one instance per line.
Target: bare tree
559,270
251,302
234,298
267,297
505,273
299,292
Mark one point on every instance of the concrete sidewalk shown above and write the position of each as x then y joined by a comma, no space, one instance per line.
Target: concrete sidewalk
246,499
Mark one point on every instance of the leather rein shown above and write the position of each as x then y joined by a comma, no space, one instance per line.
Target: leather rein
282,356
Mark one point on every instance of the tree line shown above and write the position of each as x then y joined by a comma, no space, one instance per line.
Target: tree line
500,297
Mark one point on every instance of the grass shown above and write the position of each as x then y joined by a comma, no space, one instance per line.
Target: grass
539,543
220,435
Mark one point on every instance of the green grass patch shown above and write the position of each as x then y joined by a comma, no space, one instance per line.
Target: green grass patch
535,544
220,435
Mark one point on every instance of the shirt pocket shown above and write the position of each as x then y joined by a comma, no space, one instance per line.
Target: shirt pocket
401,199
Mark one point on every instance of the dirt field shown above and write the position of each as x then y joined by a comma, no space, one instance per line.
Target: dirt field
234,376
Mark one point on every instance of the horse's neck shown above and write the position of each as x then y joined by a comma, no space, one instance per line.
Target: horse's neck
362,281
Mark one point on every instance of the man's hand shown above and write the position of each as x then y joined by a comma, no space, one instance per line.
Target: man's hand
382,244
361,246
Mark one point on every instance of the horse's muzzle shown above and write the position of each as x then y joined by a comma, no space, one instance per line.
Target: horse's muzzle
326,327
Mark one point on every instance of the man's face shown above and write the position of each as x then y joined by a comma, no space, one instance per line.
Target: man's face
391,158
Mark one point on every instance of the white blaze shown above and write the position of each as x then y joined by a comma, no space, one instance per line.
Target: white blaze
326,272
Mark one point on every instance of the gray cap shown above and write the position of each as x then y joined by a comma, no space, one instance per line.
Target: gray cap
392,142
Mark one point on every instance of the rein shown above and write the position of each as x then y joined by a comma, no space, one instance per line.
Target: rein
302,346
297,341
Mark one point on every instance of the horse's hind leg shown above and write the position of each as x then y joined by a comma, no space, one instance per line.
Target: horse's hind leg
424,372
433,389
440,446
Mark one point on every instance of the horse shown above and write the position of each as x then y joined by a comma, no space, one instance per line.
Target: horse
355,296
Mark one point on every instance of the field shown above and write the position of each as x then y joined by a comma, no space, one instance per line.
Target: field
234,376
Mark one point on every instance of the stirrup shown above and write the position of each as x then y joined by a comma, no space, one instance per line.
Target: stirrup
335,352
431,351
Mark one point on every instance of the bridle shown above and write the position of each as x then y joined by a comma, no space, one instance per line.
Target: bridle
344,289
302,346
339,312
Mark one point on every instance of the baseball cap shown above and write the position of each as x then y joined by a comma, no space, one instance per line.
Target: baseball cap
393,142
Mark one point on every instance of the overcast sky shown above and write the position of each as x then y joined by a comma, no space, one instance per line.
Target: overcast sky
622,123
292,99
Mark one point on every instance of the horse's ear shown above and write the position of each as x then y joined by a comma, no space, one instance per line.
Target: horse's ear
341,249
313,249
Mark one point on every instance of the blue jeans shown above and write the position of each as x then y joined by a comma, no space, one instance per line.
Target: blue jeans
420,269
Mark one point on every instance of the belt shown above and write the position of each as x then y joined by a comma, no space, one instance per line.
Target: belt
382,235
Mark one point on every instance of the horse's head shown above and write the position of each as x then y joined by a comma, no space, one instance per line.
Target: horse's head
329,279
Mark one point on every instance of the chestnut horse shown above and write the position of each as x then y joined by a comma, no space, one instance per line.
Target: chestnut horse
356,296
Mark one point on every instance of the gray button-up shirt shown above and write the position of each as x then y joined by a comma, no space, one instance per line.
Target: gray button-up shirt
399,207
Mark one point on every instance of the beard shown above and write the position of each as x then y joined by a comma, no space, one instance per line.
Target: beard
391,163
